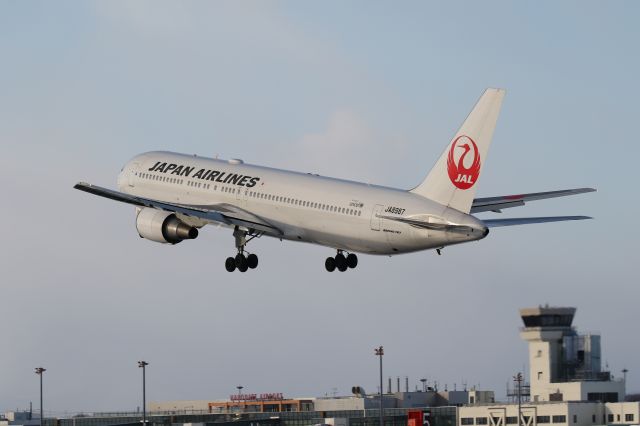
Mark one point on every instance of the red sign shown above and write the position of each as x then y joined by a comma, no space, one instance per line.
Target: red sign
244,397
272,396
461,176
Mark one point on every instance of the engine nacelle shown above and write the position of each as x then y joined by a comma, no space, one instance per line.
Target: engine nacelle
163,227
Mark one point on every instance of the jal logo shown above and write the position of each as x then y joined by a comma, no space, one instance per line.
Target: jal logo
463,163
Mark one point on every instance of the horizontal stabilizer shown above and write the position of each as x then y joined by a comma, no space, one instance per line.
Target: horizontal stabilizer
495,223
496,204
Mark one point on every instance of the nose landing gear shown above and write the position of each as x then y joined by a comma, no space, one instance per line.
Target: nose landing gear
341,262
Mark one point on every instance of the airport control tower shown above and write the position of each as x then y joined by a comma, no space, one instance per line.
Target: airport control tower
563,365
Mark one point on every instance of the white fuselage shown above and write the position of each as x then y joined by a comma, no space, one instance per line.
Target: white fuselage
336,213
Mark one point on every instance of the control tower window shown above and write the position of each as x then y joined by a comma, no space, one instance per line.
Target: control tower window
548,320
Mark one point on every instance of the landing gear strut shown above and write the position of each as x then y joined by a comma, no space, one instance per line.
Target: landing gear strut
341,262
241,262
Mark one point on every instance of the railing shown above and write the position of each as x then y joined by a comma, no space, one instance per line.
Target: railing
583,376
81,417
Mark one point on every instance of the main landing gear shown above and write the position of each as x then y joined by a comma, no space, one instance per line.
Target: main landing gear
241,262
341,262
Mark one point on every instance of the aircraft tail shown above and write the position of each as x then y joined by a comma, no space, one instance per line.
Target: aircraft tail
452,181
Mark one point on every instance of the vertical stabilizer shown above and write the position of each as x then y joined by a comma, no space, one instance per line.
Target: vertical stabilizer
453,180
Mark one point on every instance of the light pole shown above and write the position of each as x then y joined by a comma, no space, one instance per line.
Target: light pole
143,365
379,353
240,396
39,372
518,379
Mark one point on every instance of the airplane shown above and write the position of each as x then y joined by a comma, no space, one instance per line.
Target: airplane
177,194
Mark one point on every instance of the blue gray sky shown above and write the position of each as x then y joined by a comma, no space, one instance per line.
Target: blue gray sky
365,90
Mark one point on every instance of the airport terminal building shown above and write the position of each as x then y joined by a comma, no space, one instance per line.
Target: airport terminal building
567,387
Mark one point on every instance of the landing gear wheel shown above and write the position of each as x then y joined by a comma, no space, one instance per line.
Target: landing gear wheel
341,262
352,260
330,264
230,264
252,261
241,262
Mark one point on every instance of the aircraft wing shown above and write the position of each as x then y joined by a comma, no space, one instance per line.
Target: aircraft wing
494,223
221,213
496,204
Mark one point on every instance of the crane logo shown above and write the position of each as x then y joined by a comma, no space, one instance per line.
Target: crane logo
461,176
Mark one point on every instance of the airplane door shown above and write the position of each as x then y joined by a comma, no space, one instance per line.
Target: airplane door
241,195
376,220
132,174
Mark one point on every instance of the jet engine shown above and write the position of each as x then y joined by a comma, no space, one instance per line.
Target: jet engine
163,227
